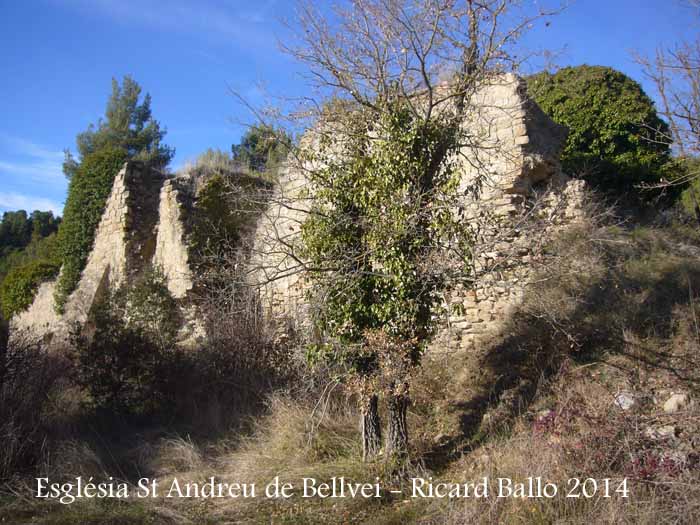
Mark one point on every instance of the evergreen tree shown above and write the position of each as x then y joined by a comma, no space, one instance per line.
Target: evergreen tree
262,148
128,126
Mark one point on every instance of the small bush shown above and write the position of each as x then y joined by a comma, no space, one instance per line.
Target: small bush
29,376
689,170
20,285
263,148
121,355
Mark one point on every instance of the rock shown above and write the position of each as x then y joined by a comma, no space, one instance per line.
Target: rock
675,460
624,400
543,414
676,403
171,516
440,439
665,432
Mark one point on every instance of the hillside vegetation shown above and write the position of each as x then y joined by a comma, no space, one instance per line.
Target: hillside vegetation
580,385
591,383
616,140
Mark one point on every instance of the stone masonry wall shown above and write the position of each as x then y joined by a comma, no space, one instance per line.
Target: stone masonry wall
140,225
171,254
514,198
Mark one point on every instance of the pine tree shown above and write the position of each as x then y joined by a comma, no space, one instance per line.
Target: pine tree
128,126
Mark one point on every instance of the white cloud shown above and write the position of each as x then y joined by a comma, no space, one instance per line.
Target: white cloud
37,171
235,23
30,174
29,159
18,201
31,149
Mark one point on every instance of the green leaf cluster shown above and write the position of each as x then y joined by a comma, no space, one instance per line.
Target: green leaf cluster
616,139
688,169
128,126
122,362
382,212
19,286
262,148
225,208
88,191
27,251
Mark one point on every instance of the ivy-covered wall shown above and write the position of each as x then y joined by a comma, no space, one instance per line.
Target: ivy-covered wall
87,195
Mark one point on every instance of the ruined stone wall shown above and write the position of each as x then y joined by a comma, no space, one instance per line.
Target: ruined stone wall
514,197
171,253
140,226
275,272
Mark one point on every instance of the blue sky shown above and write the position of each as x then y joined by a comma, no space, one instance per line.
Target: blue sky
57,58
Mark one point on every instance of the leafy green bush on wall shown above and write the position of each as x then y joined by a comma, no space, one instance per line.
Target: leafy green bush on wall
615,135
21,283
123,363
87,195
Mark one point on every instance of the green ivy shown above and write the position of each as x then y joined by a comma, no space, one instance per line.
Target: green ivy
88,191
21,283
225,209
383,207
616,139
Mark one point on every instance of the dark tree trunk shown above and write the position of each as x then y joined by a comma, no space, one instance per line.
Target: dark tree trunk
397,439
371,428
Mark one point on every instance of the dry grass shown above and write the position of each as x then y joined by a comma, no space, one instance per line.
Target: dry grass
616,311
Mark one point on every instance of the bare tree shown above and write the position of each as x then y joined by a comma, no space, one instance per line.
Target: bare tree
394,83
675,74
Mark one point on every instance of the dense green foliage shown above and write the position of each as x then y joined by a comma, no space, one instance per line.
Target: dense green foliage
27,257
128,127
20,284
17,229
380,214
88,191
40,248
121,362
262,148
129,132
615,135
225,208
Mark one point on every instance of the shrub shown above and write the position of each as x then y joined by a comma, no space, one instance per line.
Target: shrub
21,283
28,378
225,209
263,148
24,239
615,135
87,195
128,340
39,250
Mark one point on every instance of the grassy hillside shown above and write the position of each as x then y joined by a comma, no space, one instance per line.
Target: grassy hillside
594,378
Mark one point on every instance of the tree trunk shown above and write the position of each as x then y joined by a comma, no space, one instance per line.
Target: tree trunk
371,428
397,444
